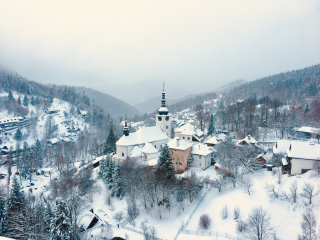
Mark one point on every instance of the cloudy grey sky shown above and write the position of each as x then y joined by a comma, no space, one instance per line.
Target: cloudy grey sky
190,43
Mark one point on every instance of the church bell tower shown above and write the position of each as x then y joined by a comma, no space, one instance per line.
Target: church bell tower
163,118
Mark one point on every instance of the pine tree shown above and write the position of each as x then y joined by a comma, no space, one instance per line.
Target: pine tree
48,214
16,199
19,100
109,172
110,145
60,222
10,96
32,102
211,125
25,101
165,171
37,101
104,164
38,153
18,134
117,183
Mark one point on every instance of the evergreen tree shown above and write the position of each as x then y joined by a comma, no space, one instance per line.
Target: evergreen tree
37,101
16,199
104,164
48,214
109,172
60,222
25,101
110,145
38,153
19,100
211,125
117,183
165,171
32,102
18,135
10,96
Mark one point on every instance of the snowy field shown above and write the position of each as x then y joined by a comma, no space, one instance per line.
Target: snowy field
285,215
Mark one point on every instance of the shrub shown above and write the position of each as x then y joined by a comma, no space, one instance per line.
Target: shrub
204,221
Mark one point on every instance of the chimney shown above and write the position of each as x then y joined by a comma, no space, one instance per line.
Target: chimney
249,137
177,142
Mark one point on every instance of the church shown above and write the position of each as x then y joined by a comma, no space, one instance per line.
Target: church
146,143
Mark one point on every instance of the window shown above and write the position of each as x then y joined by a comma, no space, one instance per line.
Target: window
199,157
183,137
122,154
188,138
167,127
155,146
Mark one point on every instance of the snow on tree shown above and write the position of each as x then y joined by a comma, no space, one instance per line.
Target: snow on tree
19,100
204,221
60,222
18,134
10,96
110,145
258,224
165,171
32,102
308,226
16,199
25,101
211,128
117,183
308,191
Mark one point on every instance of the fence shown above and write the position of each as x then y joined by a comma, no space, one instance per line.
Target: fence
194,210
212,233
136,231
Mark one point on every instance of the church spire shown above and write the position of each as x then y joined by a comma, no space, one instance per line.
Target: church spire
163,100
126,128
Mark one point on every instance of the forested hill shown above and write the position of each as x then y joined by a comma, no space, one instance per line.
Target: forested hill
73,95
112,105
291,85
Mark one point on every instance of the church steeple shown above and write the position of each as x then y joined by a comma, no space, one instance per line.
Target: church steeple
126,128
163,110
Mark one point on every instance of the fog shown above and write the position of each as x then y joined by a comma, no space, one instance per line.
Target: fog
194,46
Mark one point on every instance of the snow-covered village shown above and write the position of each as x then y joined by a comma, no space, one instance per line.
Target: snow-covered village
134,120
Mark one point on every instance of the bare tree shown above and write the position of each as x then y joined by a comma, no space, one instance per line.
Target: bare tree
293,191
153,233
241,226
118,217
204,221
308,226
248,184
273,191
219,183
309,192
224,212
278,174
236,212
258,224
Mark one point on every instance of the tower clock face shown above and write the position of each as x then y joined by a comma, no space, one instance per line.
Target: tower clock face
159,118
167,118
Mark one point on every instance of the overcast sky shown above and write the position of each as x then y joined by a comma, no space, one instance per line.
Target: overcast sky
98,43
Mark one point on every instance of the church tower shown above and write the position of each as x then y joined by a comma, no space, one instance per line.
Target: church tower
163,118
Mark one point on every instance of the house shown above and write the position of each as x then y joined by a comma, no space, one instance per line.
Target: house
51,111
45,171
138,144
307,132
281,146
189,133
248,140
180,151
213,141
202,156
52,141
302,155
260,158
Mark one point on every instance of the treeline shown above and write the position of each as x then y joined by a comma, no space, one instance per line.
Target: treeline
292,85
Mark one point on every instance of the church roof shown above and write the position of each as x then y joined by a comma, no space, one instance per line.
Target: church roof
149,148
143,135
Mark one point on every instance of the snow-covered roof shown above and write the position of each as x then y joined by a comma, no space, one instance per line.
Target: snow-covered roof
214,140
136,152
143,135
222,136
284,161
304,150
248,139
53,140
179,144
189,129
148,148
308,129
163,109
281,146
201,149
